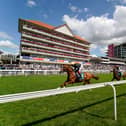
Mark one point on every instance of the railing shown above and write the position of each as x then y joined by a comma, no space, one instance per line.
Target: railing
8,72
50,35
27,72
53,92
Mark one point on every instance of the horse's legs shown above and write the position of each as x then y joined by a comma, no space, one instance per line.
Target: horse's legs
66,83
114,77
86,82
63,85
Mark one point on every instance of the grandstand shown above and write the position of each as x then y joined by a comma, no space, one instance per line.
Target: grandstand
46,47
113,60
43,43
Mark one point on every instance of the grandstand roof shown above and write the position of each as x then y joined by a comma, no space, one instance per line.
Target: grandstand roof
41,24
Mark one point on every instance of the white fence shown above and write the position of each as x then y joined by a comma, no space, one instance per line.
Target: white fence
52,92
43,72
27,72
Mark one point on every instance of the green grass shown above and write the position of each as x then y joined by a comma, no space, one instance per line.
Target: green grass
14,84
86,108
17,84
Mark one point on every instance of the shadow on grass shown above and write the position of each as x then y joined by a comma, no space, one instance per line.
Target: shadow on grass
72,111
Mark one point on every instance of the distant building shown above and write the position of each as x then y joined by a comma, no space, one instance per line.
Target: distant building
111,50
117,51
8,59
120,51
43,43
112,61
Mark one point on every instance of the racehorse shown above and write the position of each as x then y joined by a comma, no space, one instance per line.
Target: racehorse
71,76
118,75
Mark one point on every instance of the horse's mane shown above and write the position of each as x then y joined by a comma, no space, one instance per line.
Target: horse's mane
68,67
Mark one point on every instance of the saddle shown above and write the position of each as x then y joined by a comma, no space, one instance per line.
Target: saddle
79,76
119,74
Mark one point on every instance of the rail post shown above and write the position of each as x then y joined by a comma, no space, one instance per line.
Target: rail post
114,94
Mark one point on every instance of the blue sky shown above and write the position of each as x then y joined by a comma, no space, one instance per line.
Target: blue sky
101,22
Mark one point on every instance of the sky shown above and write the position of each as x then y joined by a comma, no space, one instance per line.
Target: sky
101,22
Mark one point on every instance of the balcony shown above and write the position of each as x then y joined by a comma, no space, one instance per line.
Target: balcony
50,48
50,35
48,41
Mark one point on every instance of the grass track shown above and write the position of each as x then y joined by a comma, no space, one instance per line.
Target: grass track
86,108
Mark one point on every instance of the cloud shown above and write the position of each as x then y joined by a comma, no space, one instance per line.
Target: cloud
4,35
93,55
117,1
31,3
101,30
86,9
8,44
93,46
75,9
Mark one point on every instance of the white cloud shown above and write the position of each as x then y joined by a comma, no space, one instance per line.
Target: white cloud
101,30
86,9
8,44
75,9
4,35
94,55
93,46
117,1
120,15
31,3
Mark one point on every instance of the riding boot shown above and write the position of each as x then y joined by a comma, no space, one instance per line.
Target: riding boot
78,75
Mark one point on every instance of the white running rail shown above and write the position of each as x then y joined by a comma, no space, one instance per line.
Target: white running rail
27,72
51,92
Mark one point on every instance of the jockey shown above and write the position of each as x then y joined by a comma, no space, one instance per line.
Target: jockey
119,71
116,73
76,67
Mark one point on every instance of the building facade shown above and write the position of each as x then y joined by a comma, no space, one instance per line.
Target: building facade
110,52
120,51
117,51
43,43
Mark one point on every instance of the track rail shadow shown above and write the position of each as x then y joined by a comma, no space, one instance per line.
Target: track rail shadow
72,111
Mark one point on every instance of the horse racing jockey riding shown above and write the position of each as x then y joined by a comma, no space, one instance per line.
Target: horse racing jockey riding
76,67
116,73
